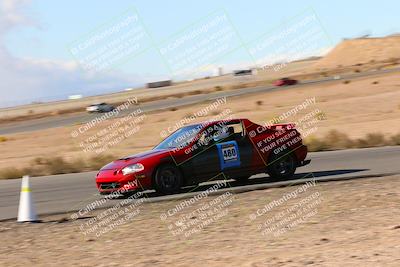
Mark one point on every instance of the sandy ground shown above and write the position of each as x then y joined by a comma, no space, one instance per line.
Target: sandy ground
347,223
368,105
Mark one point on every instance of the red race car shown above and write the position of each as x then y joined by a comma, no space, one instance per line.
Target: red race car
285,81
235,148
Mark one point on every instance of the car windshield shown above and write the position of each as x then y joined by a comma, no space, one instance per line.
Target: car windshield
181,137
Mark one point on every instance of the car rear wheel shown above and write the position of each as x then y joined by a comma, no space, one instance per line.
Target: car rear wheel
282,167
168,179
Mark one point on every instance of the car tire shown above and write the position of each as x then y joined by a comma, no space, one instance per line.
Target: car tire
168,179
282,167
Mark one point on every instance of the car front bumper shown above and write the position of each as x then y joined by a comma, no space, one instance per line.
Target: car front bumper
107,188
108,181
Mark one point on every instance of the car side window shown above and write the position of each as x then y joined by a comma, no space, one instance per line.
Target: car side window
206,137
233,131
220,133
203,139
237,131
215,134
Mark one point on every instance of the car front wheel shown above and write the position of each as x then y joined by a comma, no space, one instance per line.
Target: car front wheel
168,179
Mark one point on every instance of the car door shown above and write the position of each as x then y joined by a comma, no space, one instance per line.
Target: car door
205,158
222,149
236,148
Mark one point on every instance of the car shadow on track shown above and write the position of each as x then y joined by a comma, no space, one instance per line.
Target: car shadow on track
254,181
266,179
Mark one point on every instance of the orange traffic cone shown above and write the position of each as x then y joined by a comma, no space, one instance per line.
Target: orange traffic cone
26,210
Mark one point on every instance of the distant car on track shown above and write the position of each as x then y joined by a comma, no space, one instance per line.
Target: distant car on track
236,148
100,107
242,72
285,81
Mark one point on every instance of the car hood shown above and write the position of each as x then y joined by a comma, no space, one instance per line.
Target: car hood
120,163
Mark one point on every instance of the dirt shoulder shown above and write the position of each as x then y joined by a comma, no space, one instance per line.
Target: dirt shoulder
353,222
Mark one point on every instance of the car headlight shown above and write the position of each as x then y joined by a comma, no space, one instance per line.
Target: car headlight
133,168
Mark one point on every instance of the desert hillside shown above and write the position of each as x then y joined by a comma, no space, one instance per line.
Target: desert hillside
361,51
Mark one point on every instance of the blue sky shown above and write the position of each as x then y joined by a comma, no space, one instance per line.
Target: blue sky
37,35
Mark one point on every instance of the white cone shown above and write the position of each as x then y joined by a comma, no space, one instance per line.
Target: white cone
26,210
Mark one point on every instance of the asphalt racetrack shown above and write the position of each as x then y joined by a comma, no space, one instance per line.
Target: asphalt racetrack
71,192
